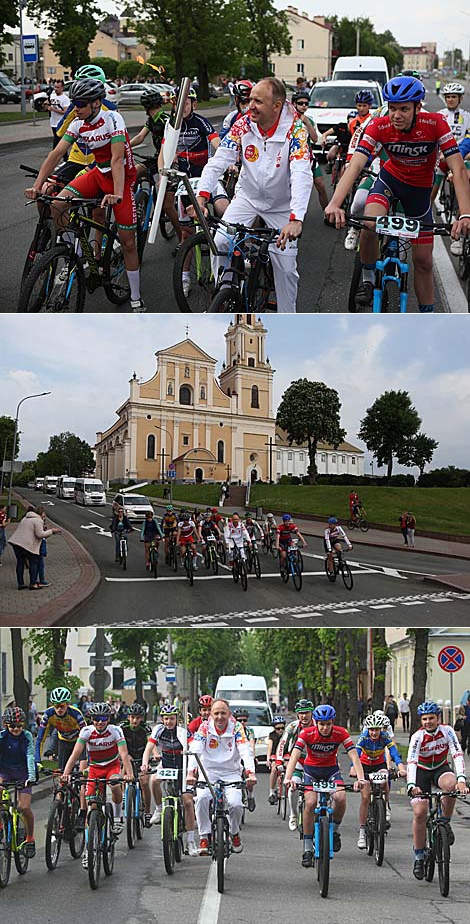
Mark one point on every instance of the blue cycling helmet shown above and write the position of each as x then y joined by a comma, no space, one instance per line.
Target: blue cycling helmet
404,90
332,520
167,709
429,707
324,713
364,96
286,517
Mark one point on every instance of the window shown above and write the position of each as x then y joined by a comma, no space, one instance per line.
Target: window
278,456
254,396
333,458
301,456
300,68
353,461
220,451
343,460
289,457
228,392
251,361
186,372
169,390
185,440
151,446
248,319
185,395
99,53
203,393
323,457
300,44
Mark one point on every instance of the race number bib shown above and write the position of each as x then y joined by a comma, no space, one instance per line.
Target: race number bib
167,773
397,226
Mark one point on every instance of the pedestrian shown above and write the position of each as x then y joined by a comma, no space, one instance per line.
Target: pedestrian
42,553
32,717
231,96
404,526
404,707
353,502
57,105
466,728
411,527
460,722
360,710
4,521
391,710
26,543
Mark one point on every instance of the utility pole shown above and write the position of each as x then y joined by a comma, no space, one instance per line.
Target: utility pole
358,40
171,685
99,666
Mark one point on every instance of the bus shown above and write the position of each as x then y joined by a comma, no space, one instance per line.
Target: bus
50,484
66,486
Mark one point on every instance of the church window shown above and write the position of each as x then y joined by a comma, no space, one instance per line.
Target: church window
254,396
203,393
185,395
251,361
220,451
151,446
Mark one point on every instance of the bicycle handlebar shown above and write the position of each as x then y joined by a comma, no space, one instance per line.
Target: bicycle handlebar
70,202
358,221
31,170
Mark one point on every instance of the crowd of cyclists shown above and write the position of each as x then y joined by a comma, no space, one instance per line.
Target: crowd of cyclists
396,155
303,751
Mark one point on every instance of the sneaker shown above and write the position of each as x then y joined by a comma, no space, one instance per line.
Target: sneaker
44,583
336,841
156,817
192,849
364,295
307,859
147,819
361,841
118,827
351,239
203,846
456,248
85,859
418,869
237,845
137,305
30,849
292,823
251,803
195,565
272,799
80,823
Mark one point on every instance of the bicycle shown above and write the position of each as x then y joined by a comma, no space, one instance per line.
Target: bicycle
173,553
359,522
392,267
239,567
189,564
447,205
59,279
101,836
12,833
153,557
63,819
376,823
210,554
281,792
221,551
123,549
145,199
269,545
247,279
133,808
172,823
44,233
323,830
437,850
220,847
253,563
292,567
340,565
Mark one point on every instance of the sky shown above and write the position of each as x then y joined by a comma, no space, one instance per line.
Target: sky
87,361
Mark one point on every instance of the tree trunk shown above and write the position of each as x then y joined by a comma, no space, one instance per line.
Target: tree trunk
21,688
353,648
265,58
203,77
139,691
420,671
312,465
381,656
59,641
389,467
153,676
341,699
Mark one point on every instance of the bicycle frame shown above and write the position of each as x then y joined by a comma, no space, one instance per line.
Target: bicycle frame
11,806
323,807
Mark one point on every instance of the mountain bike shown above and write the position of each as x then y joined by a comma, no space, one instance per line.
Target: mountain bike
376,823
133,808
189,564
12,833
100,836
239,567
221,551
291,567
153,557
437,850
247,279
281,792
63,820
253,563
172,823
446,204
173,553
340,565
210,554
123,549
220,846
323,829
269,544
45,231
359,522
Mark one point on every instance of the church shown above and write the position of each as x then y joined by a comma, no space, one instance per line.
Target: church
205,428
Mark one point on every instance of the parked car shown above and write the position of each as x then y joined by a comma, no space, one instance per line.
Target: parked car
135,505
129,93
332,100
111,90
9,92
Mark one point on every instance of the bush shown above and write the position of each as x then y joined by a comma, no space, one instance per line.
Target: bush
285,479
109,66
128,70
449,477
401,481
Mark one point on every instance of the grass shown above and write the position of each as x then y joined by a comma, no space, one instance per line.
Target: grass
18,117
201,495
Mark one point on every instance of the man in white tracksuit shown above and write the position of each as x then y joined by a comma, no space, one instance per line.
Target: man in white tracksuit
222,745
275,180
236,534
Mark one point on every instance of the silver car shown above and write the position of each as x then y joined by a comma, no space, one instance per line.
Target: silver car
129,93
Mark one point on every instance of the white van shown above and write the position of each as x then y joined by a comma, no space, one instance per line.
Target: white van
362,67
39,484
89,492
242,687
50,484
66,486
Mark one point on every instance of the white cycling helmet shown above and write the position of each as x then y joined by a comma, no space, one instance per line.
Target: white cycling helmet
453,88
376,720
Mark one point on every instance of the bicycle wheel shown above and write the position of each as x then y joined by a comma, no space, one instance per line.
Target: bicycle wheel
167,230
194,257
249,559
141,203
235,572
296,575
284,802
243,575
347,576
77,838
443,858
174,560
21,860
130,816
429,854
109,843
379,834
352,524
190,568
54,834
355,280
256,565
168,839
115,281
222,553
299,559
390,297
370,828
464,260
261,293
324,858
214,561
56,282
41,242
364,526
331,575
154,562
123,556
5,849
227,299
139,814
94,849
279,792
220,856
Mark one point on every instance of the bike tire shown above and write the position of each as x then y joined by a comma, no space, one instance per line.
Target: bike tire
324,858
235,572
109,845
260,287
39,294
54,834
174,562
139,817
94,849
284,574
347,576
220,849
391,297
194,253
443,859
299,558
249,560
130,816
354,285
115,281
226,300
463,268
77,838
429,855
296,575
284,803
364,526
265,546
141,203
21,860
154,564
190,569
214,562
257,565
279,793
124,559
167,230
379,834
222,554
168,839
331,575
352,524
5,849
243,575
40,243
370,828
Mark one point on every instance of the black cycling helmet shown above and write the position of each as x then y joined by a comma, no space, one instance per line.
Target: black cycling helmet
99,709
242,90
241,713
300,94
88,88
136,709
151,98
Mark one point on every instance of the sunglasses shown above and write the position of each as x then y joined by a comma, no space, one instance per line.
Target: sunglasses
101,718
299,103
81,103
279,727
11,727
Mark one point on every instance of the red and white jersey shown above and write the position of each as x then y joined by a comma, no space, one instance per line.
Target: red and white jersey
236,534
320,750
98,136
186,528
102,746
429,750
413,154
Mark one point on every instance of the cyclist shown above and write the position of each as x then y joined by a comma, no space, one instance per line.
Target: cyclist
269,526
333,537
343,137
275,181
274,737
150,532
136,733
106,747
208,528
364,99
66,719
304,712
285,532
222,745
236,534
187,535
120,524
242,715
301,100
252,527
205,703
167,742
241,92
17,765
372,746
427,766
411,140
169,525
152,101
458,120
319,745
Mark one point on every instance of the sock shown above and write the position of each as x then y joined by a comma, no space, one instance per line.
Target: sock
185,276
272,792
134,282
190,837
419,854
368,272
308,842
117,810
426,309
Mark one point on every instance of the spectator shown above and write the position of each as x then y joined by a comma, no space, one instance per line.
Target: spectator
57,105
42,553
404,707
404,526
411,527
466,728
360,710
26,543
460,722
4,521
391,710
32,717
353,502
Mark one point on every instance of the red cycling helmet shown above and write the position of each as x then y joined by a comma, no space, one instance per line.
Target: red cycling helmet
242,90
206,701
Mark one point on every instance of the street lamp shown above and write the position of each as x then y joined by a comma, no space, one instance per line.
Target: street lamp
15,434
22,5
7,440
171,452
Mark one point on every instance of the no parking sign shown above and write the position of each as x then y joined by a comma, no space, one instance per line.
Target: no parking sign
451,659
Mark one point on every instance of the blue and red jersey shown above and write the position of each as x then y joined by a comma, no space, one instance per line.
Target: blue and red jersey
322,750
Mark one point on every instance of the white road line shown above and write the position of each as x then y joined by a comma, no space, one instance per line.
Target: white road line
307,615
96,514
210,905
413,603
262,619
351,609
443,600
456,300
202,577
383,606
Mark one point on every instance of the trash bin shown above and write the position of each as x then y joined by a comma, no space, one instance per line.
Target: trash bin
259,513
12,512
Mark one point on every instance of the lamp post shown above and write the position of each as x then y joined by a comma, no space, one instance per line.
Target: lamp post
23,95
15,434
7,440
171,452
372,468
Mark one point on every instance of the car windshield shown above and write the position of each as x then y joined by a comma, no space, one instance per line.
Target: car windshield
135,501
257,695
331,97
379,76
94,486
257,715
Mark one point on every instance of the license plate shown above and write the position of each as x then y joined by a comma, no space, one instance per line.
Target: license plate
167,773
397,226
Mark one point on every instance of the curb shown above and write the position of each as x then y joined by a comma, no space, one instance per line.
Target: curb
451,582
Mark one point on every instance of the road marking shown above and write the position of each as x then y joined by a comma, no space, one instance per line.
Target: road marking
307,615
350,609
203,577
210,905
413,603
456,300
392,572
383,606
96,514
262,619
101,531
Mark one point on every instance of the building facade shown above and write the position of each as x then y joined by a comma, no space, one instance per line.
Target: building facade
400,668
422,58
294,460
311,48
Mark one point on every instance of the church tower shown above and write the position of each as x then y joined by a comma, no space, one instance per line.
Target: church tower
247,373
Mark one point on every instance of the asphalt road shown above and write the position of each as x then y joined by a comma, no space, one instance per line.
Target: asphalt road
386,587
325,267
265,883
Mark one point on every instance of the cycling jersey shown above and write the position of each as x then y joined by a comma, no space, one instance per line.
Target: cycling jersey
209,526
171,742
194,144
430,750
102,746
187,529
458,121
334,535
288,740
155,124
98,136
68,726
136,739
285,532
372,753
230,118
253,530
194,724
236,534
17,756
320,750
169,522
79,154
358,122
412,154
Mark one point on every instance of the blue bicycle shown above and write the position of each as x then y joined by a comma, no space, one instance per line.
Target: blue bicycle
133,808
293,566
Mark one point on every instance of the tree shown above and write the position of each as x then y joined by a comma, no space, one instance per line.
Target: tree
142,650
73,24
208,655
381,654
109,66
67,455
345,36
48,647
128,69
388,424
21,689
8,17
418,451
420,672
309,413
7,431
269,32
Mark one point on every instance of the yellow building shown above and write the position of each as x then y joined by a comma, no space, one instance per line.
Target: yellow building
422,58
400,668
119,47
311,48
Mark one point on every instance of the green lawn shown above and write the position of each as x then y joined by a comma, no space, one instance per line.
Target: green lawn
201,495
18,117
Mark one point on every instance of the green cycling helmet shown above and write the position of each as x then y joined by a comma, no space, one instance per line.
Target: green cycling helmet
90,70
304,705
60,695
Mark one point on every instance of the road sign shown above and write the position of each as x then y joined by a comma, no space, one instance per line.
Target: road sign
107,660
107,679
451,659
171,466
170,673
30,48
171,473
107,646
